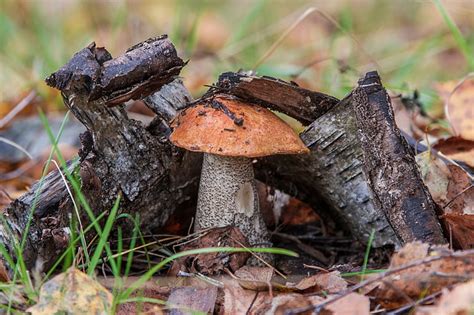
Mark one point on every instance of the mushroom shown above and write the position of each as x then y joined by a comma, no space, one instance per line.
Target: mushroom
231,133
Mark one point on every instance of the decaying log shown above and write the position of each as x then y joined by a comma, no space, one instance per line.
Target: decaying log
118,154
390,167
334,170
332,173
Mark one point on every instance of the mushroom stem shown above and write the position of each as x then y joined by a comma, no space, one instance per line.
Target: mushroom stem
228,196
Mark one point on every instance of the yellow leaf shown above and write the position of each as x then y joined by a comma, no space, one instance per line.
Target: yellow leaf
460,106
72,292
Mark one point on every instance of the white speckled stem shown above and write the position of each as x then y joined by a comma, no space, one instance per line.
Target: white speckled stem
228,196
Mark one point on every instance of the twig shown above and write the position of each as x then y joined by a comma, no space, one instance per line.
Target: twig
17,146
253,302
409,306
318,308
304,247
458,195
261,259
18,108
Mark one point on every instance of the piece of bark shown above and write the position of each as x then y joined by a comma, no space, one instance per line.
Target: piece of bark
118,155
142,70
172,98
390,167
288,98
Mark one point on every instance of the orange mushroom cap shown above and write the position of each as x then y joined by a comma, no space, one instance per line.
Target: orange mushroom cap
246,130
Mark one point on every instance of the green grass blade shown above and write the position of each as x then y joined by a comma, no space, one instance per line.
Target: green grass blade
104,236
458,37
119,248
360,273
367,251
243,27
20,266
133,242
72,243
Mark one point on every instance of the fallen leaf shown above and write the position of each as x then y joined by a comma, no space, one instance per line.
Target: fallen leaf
457,148
278,207
254,278
238,300
459,106
435,175
329,282
449,185
3,273
72,292
460,193
298,213
411,121
213,263
462,228
458,301
5,199
283,303
189,299
352,304
423,279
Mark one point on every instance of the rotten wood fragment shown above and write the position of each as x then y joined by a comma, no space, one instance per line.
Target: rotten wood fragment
171,98
118,154
139,72
288,98
390,167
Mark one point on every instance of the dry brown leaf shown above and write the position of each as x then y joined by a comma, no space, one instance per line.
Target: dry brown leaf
458,301
254,278
3,273
72,292
238,300
330,282
449,185
298,213
460,106
451,188
282,303
5,199
352,304
278,207
188,299
410,120
457,148
213,263
423,279
460,192
435,175
462,228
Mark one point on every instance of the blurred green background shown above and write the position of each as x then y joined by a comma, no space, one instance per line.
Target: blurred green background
408,42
